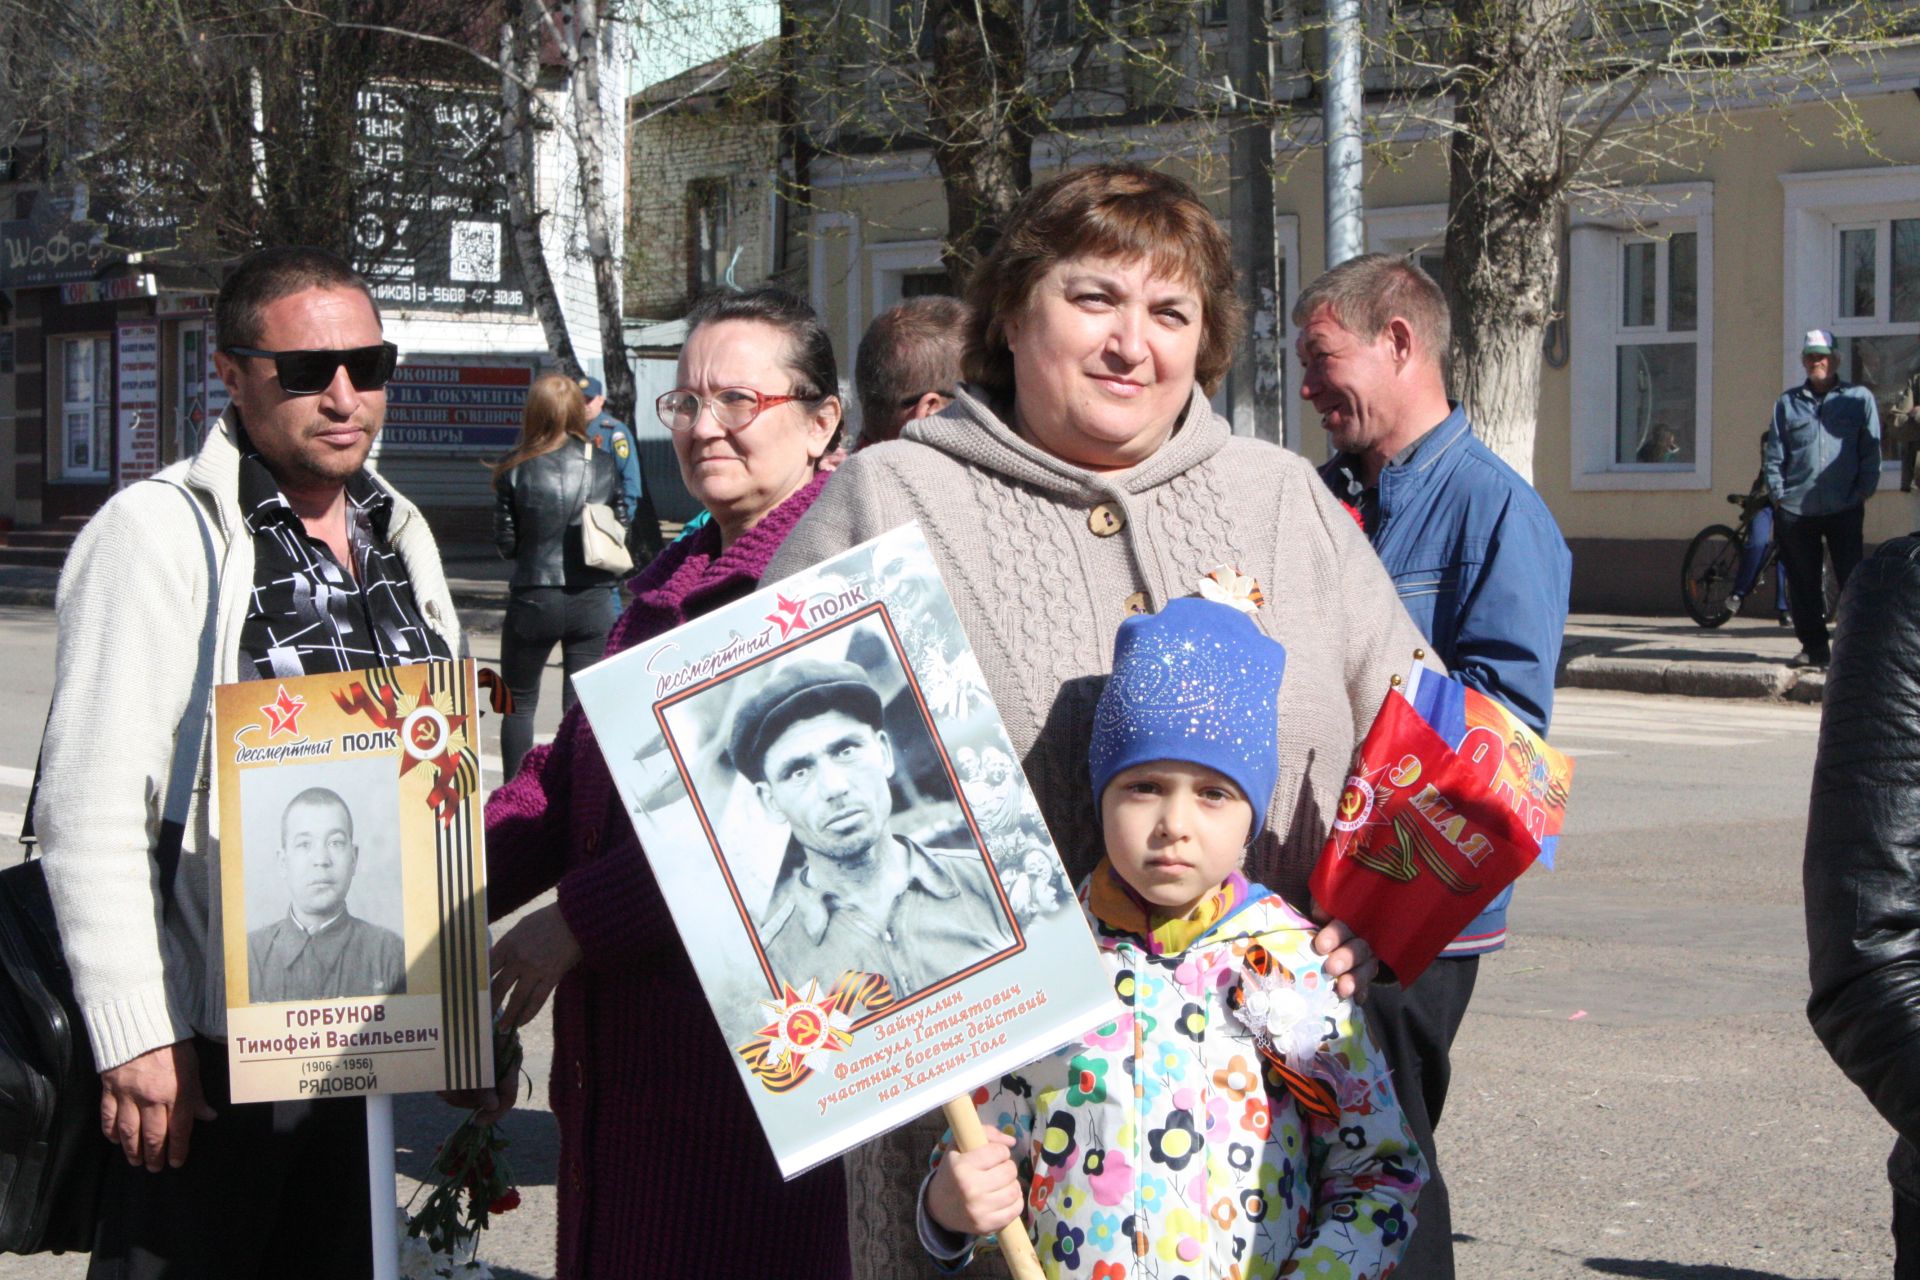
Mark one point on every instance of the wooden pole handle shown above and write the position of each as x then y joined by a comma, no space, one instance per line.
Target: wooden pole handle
968,1134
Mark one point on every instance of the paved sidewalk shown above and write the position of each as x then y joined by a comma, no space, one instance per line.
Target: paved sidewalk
1746,658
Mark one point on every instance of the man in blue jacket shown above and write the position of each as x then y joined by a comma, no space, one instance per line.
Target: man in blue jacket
1821,459
1481,567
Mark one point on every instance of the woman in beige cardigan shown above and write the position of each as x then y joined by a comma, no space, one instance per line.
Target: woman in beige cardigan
1081,476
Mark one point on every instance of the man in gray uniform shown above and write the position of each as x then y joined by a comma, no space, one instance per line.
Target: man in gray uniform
850,894
318,950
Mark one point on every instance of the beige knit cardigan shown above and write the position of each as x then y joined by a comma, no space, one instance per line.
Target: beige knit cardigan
1041,578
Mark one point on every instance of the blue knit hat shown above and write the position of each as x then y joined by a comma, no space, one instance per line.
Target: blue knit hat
1199,683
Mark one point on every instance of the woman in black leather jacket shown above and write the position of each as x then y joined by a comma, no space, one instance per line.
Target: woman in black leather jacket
539,491
1862,870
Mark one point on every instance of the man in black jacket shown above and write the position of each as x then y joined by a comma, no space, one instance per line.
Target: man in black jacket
1862,868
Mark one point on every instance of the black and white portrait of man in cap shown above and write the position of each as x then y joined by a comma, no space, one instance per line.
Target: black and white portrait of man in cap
850,893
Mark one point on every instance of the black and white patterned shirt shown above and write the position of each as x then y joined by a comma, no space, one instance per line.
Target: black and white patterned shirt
308,615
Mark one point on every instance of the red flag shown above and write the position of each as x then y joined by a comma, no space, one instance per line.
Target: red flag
1420,842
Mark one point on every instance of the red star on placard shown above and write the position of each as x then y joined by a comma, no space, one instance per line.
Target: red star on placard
283,713
790,617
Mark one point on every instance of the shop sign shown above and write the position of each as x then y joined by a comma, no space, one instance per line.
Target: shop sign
436,408
35,252
174,305
116,290
217,396
430,233
137,372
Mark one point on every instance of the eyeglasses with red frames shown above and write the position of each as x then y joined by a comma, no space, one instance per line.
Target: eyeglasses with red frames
732,407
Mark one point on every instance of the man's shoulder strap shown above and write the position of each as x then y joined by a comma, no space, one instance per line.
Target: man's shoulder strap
193,722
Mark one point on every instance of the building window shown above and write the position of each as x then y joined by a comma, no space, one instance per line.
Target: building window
903,269
1656,353
1876,324
927,284
906,21
1058,22
1417,233
1852,265
1640,295
709,238
84,418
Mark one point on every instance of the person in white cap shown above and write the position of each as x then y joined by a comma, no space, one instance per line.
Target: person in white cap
1822,462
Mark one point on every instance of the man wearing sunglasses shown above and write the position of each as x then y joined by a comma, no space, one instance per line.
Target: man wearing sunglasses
322,567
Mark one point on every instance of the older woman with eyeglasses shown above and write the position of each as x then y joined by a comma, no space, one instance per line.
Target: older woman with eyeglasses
663,1170
1081,476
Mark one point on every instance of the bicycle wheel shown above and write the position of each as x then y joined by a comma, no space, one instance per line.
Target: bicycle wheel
1707,574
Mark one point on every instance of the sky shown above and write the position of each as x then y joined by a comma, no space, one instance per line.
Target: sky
674,35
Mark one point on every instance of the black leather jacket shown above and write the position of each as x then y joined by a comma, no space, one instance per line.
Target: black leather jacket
536,515
1862,870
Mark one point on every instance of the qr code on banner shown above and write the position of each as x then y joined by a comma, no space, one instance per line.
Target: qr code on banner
473,254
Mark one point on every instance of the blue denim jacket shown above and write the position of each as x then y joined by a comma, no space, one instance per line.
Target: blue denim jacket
1481,567
1822,453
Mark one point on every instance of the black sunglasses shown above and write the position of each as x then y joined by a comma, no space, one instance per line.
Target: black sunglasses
308,373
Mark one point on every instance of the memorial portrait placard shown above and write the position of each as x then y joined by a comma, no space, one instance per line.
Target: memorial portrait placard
840,827
353,883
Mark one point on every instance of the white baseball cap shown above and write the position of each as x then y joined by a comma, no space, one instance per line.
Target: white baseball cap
1819,343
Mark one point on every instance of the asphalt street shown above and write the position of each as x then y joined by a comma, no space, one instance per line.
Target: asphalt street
1636,1092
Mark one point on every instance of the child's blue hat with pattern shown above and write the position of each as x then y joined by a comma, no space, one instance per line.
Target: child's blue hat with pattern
1197,682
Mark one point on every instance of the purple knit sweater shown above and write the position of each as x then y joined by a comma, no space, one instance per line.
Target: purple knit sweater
663,1169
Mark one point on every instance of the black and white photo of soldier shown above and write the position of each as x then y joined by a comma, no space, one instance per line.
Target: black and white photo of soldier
317,949
851,893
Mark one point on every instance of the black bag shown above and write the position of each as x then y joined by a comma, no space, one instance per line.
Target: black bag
52,1153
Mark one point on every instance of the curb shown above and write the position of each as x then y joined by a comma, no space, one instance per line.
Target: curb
1767,681
1764,680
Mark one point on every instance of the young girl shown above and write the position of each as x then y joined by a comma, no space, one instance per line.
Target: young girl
1236,1121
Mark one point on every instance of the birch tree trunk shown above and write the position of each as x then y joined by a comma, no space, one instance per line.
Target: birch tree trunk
983,121
520,39
589,128
1507,183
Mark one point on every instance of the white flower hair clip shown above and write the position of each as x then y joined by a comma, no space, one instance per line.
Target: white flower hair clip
1227,585
1290,1016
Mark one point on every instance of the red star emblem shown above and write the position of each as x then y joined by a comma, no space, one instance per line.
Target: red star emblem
789,617
283,713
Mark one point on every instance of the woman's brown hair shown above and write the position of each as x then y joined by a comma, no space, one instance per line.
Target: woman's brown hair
555,410
1121,211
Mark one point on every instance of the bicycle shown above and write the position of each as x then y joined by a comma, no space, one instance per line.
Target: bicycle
1711,566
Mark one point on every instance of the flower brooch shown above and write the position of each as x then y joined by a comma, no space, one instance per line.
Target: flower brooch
1227,585
1290,1018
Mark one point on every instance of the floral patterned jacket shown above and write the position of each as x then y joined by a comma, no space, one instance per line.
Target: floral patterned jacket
1168,1145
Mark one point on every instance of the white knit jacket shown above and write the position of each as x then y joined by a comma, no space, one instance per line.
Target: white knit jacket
131,605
